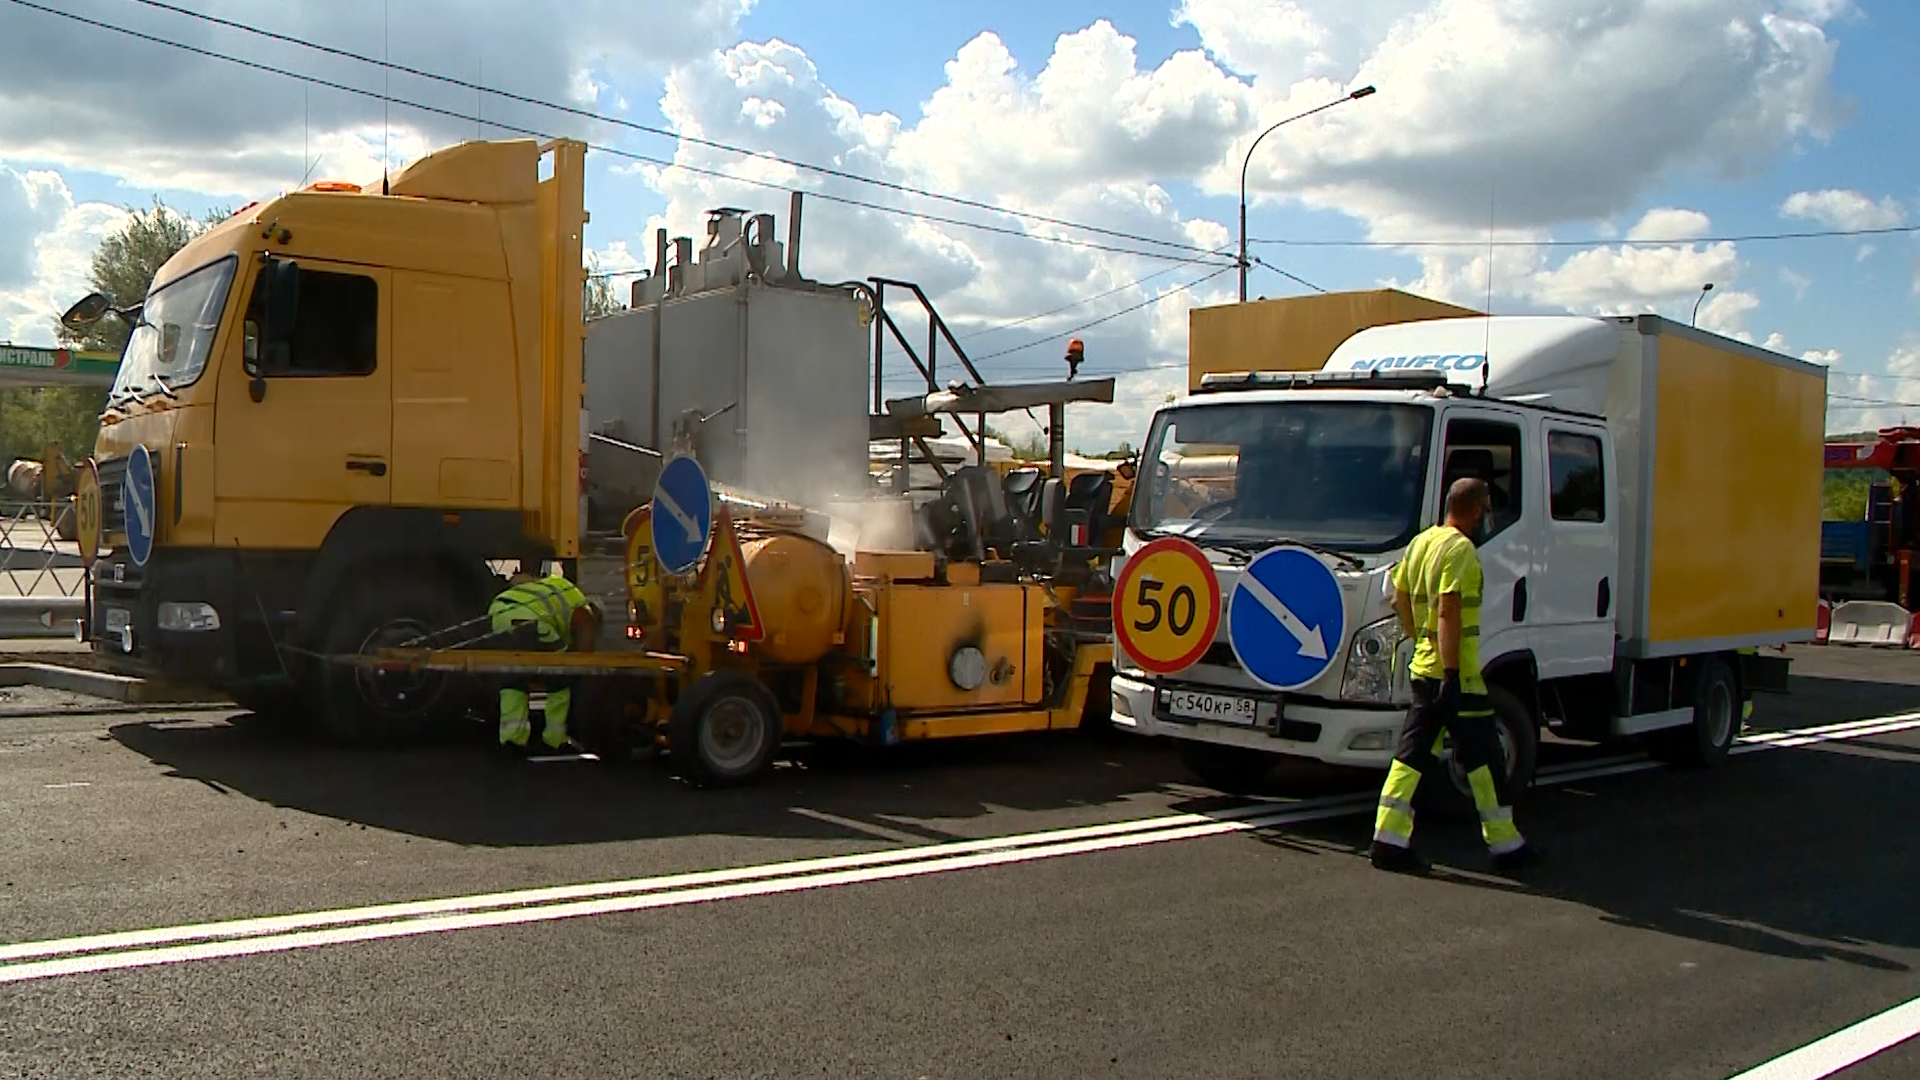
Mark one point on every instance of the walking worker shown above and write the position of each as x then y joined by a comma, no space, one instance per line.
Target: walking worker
542,613
1436,592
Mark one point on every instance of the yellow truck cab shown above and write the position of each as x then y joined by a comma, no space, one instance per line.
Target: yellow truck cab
349,401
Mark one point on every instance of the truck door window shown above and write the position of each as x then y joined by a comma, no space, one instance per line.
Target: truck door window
1574,463
337,329
1491,451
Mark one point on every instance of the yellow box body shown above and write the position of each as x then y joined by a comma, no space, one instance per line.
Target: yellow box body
1737,468
1296,333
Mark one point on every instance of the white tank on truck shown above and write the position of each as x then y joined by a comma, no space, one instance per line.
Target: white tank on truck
1656,525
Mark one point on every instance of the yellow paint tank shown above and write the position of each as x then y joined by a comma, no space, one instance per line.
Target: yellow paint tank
802,591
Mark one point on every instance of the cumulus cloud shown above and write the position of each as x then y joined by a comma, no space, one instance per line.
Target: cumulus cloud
54,243
1844,209
167,119
1669,223
1052,144
1486,95
1796,281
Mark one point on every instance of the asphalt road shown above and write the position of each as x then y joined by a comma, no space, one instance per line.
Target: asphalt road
1688,925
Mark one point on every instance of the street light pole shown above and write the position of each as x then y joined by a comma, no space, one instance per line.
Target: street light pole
1365,91
1704,290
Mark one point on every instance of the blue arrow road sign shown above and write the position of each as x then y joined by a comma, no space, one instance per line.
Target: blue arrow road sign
1286,619
138,500
682,515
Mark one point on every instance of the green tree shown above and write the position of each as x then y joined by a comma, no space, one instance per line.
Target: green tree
123,267
601,299
126,261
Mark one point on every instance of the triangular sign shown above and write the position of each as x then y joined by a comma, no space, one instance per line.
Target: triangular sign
727,567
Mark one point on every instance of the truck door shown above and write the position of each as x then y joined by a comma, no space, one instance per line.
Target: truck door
1496,446
317,442
1577,568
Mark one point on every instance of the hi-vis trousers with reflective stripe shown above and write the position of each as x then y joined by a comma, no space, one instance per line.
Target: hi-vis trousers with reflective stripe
1476,745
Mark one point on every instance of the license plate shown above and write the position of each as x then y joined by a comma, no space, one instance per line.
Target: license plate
118,619
1218,708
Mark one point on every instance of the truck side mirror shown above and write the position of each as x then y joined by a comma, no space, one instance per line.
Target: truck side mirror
91,309
283,298
268,345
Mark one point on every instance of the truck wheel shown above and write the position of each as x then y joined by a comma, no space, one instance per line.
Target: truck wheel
1449,795
725,729
1233,769
361,705
1716,721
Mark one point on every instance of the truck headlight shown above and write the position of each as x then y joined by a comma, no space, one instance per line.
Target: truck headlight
1370,662
188,617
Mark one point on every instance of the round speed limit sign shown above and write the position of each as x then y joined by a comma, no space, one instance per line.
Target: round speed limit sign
1166,605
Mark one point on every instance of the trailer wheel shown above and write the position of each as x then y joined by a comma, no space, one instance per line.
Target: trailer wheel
1449,795
361,705
725,729
1716,721
1233,769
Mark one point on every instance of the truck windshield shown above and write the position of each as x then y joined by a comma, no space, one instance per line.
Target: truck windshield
1347,475
170,346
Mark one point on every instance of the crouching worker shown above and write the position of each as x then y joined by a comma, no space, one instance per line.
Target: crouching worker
549,613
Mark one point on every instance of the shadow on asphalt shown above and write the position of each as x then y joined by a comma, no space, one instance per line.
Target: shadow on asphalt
1799,853
462,792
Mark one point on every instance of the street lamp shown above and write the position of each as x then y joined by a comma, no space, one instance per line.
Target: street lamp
1364,91
1704,290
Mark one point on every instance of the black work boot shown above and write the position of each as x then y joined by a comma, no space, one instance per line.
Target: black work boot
1510,862
1398,860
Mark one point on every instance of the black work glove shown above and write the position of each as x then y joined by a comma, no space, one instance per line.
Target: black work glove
1450,693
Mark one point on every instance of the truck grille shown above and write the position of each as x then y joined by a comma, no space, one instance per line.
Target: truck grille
113,487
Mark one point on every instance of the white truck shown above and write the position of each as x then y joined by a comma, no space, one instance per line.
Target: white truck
1655,525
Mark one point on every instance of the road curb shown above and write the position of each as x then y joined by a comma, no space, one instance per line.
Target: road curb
100,684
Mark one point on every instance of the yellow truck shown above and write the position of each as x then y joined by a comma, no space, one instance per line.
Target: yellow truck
335,408
343,410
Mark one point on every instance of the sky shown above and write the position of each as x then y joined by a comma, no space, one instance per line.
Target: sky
1064,169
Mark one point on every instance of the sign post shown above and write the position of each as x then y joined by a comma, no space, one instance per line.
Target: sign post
682,519
142,516
1166,606
86,512
1286,620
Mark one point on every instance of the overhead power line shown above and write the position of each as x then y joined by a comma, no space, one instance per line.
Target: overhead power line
588,114
1148,302
1083,301
454,114
1679,241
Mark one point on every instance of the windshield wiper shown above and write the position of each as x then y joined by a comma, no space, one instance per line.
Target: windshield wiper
1349,561
164,388
1249,548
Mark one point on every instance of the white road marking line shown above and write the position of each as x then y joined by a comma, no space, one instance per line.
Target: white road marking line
550,894
69,784
161,946
208,950
1844,1048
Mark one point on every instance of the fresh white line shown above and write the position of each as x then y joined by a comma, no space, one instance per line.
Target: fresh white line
178,944
470,920
551,894
1844,1048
